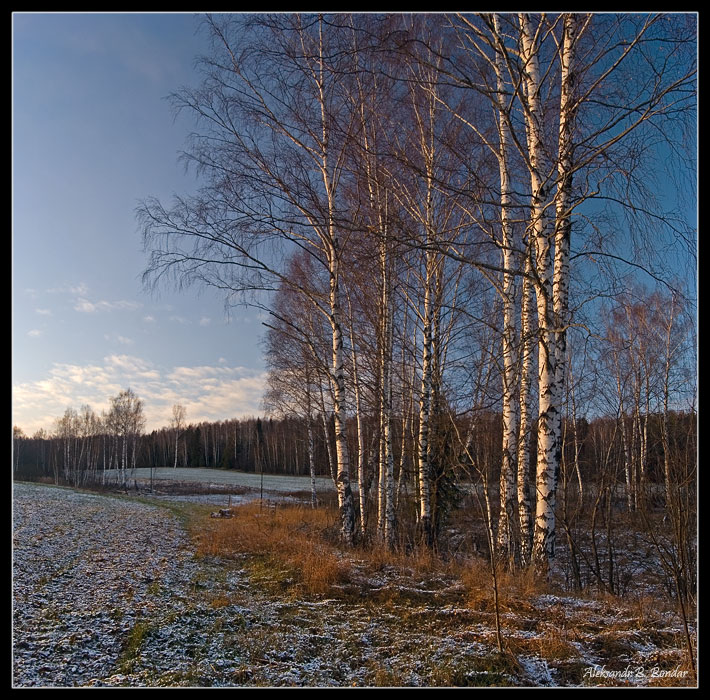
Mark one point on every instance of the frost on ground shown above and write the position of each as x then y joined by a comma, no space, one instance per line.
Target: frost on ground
107,592
223,477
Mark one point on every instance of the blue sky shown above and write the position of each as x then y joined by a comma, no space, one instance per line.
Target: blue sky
92,135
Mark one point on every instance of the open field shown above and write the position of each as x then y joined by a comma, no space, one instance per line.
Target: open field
124,591
228,478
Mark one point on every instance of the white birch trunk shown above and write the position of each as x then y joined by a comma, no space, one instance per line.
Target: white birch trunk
548,418
329,449
424,413
508,494
309,437
562,237
563,222
525,423
381,471
389,514
331,240
345,496
362,486
428,360
311,459
406,420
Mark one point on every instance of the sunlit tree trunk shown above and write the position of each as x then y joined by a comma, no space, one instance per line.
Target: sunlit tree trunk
332,248
548,408
387,459
525,424
362,485
345,497
508,495
563,221
425,408
407,408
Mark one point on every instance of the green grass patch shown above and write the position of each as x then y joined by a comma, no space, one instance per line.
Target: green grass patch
131,649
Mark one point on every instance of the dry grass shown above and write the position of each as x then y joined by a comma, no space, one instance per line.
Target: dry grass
515,589
413,560
293,549
301,543
551,645
292,538
295,545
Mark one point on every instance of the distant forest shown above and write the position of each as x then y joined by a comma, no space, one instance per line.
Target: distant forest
280,446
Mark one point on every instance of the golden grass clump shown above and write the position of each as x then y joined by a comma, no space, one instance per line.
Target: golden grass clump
289,536
515,588
551,645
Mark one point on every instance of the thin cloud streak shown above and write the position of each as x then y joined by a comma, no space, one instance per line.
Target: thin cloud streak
85,306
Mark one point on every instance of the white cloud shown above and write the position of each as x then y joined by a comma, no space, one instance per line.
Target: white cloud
81,289
43,312
205,321
85,306
208,393
34,333
115,337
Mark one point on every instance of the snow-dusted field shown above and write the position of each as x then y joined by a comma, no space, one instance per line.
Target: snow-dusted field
107,592
82,566
227,478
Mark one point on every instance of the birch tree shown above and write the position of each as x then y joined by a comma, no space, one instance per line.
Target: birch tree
313,129
272,160
573,67
177,422
371,102
17,438
427,168
128,421
296,363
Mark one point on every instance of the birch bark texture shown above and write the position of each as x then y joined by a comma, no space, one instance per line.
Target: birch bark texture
508,474
539,232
